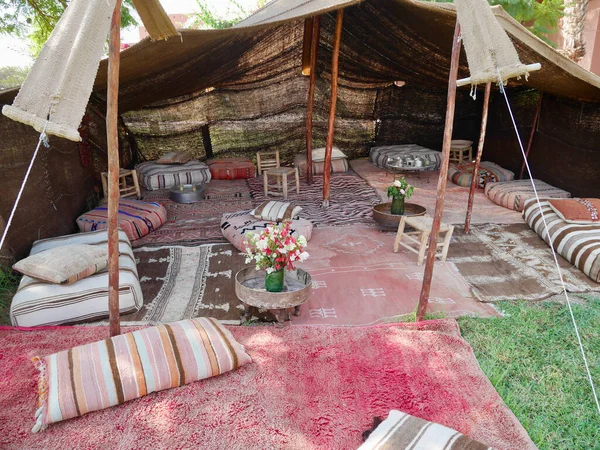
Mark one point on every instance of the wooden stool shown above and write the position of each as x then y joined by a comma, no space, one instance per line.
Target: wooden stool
267,160
125,190
281,173
422,225
461,151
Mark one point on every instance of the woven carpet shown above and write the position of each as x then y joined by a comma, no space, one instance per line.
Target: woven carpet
351,199
307,388
197,223
510,261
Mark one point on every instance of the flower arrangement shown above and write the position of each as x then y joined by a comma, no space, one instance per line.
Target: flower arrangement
275,248
400,189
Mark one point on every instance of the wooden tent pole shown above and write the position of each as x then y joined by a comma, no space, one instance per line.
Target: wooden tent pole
314,48
112,140
536,117
332,105
441,187
474,181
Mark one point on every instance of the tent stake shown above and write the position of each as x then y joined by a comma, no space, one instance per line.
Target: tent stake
112,140
441,187
332,104
484,119
314,48
536,117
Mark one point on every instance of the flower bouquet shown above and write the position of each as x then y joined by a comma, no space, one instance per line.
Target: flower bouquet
399,191
275,250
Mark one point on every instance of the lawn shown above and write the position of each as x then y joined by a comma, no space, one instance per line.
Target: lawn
9,281
532,358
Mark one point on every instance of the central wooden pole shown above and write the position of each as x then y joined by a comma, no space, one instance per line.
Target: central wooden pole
112,140
474,181
332,105
530,142
314,48
441,187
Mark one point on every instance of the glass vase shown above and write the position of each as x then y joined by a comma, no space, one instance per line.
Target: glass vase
397,206
274,281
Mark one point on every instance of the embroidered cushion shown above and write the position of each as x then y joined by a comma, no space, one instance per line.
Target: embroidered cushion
160,176
462,174
231,168
136,218
234,227
64,265
174,158
402,431
577,210
276,211
512,194
95,376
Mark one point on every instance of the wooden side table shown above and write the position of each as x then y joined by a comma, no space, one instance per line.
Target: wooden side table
422,225
125,190
282,175
461,151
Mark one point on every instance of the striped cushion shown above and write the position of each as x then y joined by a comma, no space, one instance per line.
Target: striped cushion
39,303
512,194
462,174
577,243
160,176
337,165
402,431
275,211
136,218
231,168
235,226
95,376
379,155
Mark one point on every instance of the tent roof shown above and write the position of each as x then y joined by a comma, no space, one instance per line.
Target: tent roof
382,41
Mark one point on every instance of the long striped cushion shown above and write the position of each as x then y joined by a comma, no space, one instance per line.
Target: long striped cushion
577,243
160,176
402,431
512,194
135,217
462,174
40,303
95,376
337,165
380,155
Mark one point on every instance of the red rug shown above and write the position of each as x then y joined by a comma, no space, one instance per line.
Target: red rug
308,388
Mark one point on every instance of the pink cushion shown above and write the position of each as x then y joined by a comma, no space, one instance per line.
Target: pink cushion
136,218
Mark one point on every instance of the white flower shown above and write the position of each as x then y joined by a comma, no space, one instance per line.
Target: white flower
270,270
402,191
301,241
304,256
262,244
397,183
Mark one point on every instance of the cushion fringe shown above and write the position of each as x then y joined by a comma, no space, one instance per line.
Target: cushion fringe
42,395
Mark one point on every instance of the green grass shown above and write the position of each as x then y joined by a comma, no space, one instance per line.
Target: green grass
532,358
9,281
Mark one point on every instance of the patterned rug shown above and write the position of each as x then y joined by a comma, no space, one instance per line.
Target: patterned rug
511,262
197,223
351,199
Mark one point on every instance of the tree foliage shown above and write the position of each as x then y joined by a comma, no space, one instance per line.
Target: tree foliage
208,18
12,76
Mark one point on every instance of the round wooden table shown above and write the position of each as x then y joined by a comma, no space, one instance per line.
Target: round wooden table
250,289
383,216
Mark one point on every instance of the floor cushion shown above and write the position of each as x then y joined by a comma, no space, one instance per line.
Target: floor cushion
512,194
462,174
577,243
136,218
161,176
40,303
235,226
380,155
231,168
337,165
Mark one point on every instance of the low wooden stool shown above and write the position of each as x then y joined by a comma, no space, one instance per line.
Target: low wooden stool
422,225
281,173
461,151
125,190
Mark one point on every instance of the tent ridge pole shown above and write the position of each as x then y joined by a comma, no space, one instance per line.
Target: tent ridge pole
332,105
441,187
314,48
474,182
112,139
536,118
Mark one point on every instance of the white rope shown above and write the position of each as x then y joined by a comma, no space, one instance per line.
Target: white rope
43,139
585,361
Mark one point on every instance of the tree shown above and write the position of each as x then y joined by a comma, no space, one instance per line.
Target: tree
571,28
12,76
208,18
35,19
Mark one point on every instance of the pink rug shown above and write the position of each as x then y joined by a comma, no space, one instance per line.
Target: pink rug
308,388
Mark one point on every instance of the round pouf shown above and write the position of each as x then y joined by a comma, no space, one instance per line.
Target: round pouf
187,193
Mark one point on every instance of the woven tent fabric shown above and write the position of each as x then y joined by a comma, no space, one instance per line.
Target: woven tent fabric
490,53
57,90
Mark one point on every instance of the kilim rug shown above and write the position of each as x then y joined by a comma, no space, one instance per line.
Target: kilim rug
351,199
510,261
307,388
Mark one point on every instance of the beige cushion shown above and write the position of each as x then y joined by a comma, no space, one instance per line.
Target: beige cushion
174,158
276,211
577,210
318,154
64,265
